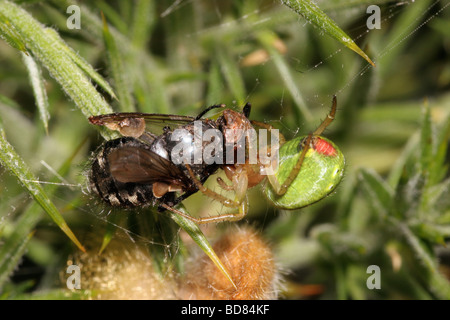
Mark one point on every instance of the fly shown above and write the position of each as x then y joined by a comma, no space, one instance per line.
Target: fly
138,169
143,168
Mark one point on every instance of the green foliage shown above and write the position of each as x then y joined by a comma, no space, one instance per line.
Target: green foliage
392,125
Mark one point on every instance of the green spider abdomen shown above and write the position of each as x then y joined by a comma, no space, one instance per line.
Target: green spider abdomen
320,173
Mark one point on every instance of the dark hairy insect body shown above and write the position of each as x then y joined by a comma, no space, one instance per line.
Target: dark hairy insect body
112,191
129,172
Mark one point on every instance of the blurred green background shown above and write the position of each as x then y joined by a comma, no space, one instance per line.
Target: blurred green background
392,208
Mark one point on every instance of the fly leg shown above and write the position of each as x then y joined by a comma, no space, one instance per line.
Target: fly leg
209,109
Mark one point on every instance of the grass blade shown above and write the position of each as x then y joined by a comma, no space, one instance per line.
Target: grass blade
111,227
379,192
113,16
398,36
267,40
10,34
37,82
311,12
27,222
9,262
439,166
79,61
438,283
215,85
117,70
60,60
14,163
426,141
143,21
232,75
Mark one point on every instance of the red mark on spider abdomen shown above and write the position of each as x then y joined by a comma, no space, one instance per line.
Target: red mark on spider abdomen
324,147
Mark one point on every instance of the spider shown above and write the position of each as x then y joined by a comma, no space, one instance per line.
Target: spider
310,168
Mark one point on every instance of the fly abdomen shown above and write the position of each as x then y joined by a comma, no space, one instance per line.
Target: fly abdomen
113,191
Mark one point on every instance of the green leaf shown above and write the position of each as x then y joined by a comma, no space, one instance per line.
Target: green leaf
429,232
379,193
417,245
165,242
79,61
439,165
398,168
113,16
117,70
426,142
64,65
232,74
8,262
14,163
10,34
399,34
311,12
111,227
143,71
438,284
27,221
9,102
37,82
284,70
215,85
142,22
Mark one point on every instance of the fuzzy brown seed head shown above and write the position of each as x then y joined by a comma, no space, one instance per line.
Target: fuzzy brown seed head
250,263
123,271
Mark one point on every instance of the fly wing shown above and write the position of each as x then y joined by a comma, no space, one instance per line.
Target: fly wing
137,122
139,165
148,117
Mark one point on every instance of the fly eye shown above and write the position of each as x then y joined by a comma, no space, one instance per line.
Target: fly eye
247,109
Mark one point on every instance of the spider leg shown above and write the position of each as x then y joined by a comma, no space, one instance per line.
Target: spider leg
240,183
269,127
223,185
243,209
281,189
306,144
330,117
210,193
